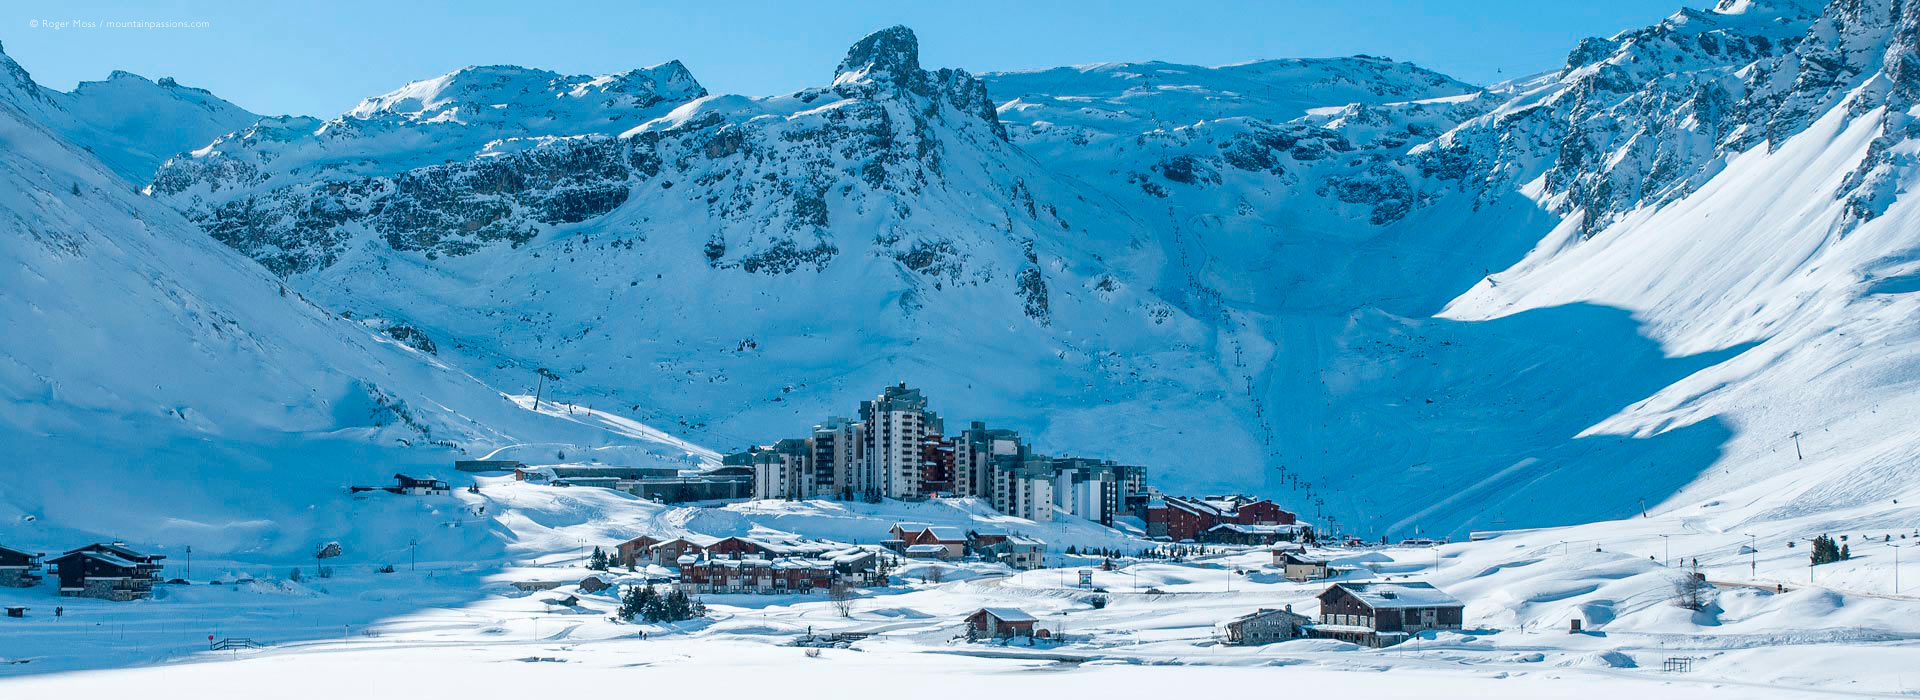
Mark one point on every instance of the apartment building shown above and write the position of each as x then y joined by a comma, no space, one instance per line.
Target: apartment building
898,426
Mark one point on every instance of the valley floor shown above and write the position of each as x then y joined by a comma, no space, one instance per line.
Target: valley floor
460,629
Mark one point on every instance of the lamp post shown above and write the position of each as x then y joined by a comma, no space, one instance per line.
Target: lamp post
1668,540
1753,557
1896,565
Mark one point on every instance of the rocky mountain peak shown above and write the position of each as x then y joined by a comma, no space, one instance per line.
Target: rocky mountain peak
890,56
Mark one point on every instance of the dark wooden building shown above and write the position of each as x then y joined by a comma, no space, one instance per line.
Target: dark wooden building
108,572
1384,614
992,623
1181,519
633,551
410,486
19,569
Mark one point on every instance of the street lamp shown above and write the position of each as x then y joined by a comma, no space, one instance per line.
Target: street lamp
1668,540
1753,557
1896,565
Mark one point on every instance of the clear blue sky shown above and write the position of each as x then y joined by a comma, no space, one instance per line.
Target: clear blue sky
321,57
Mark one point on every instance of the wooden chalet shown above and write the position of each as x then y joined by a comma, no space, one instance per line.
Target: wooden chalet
672,552
1385,614
108,572
408,486
996,623
950,540
19,569
631,552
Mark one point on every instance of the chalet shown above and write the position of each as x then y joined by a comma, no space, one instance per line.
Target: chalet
669,552
630,552
19,569
856,566
1236,533
771,576
107,572
409,486
1297,566
1023,552
897,535
1018,551
995,623
983,541
926,551
1384,614
1264,626
949,539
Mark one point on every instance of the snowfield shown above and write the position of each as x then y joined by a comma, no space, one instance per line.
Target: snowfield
449,622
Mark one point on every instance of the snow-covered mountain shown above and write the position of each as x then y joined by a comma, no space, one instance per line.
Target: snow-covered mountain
157,386
1352,283
742,267
129,122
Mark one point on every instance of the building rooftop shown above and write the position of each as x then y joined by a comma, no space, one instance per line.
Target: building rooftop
1413,594
1008,614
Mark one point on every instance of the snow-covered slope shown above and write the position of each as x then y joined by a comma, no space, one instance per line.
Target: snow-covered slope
157,387
1802,247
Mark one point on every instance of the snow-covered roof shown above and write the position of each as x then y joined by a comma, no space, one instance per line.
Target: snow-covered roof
1265,612
1008,614
947,534
115,548
926,549
1413,594
1255,529
1025,540
701,541
106,558
785,563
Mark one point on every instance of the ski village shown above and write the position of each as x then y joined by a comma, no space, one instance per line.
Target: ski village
1589,367
884,534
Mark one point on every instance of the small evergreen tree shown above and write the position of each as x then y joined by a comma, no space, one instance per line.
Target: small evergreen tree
636,602
598,560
